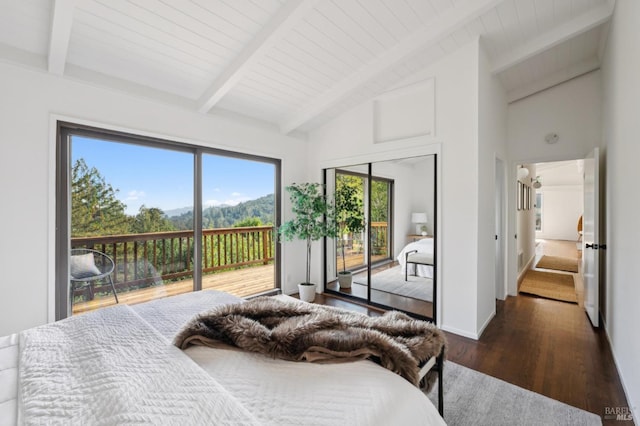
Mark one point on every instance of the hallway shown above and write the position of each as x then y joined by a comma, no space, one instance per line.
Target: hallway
546,346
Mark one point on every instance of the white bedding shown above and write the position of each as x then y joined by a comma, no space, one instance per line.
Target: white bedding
425,246
250,388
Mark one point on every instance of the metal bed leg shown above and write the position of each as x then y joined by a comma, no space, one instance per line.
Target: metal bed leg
440,362
113,288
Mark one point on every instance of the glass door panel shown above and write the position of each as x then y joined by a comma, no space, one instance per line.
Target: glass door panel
348,254
397,199
406,282
238,223
125,209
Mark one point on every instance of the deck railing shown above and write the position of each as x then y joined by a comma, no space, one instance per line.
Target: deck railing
143,260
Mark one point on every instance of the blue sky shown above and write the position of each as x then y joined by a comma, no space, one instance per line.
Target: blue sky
162,178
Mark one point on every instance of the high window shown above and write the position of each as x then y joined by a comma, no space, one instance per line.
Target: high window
142,218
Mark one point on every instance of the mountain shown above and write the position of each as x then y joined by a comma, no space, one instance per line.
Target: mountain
177,212
226,216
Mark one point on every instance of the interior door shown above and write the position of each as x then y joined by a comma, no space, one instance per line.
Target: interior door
590,238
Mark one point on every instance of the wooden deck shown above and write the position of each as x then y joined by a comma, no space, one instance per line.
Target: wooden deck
241,282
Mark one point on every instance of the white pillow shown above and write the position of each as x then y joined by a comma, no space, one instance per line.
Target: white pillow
83,266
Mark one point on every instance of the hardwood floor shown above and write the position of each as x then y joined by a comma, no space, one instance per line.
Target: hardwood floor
545,346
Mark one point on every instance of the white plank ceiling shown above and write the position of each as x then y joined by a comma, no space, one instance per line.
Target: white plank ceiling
296,63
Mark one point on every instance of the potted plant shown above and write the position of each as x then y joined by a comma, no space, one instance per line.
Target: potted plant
349,219
311,222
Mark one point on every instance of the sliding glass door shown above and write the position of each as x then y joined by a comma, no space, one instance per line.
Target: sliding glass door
238,225
127,228
124,199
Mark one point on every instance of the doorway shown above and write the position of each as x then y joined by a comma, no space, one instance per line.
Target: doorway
549,209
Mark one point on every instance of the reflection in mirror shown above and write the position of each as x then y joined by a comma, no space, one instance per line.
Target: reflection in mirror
398,241
347,254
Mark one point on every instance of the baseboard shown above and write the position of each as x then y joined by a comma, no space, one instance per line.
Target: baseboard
486,323
459,332
634,413
524,270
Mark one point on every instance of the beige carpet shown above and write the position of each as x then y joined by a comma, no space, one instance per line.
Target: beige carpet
550,285
392,281
558,263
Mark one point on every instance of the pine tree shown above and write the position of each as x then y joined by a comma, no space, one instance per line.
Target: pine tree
151,219
95,210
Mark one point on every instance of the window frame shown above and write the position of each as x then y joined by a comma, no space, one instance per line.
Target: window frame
65,130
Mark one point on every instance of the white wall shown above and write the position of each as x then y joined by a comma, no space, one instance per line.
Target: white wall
562,206
621,129
492,139
348,139
573,110
27,172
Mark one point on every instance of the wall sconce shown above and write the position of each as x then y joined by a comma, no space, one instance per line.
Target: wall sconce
536,183
523,172
420,219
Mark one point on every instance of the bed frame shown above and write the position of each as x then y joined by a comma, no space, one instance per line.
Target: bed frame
417,258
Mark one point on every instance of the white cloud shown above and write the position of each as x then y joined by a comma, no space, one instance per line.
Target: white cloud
235,194
229,202
134,195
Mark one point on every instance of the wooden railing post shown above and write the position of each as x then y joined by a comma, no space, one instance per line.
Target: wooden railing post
265,247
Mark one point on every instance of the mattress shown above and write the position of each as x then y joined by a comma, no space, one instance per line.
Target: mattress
273,392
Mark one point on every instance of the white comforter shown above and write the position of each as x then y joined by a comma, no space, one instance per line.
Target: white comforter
91,369
424,245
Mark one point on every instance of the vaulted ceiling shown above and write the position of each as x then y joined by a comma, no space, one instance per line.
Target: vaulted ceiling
295,63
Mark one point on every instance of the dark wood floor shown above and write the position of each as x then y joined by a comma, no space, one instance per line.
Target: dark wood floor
542,345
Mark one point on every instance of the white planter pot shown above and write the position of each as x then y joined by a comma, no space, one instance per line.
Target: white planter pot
307,292
344,279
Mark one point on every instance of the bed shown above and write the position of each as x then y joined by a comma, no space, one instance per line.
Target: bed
118,366
423,247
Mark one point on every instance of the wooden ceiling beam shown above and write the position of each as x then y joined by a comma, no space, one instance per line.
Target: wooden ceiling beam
550,39
446,24
285,19
552,80
61,23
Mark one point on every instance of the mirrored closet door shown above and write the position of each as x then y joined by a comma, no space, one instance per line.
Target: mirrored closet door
385,251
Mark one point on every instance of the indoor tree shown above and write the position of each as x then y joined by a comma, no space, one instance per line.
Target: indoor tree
312,220
348,219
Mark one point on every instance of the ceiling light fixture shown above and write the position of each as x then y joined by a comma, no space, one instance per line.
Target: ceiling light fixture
551,138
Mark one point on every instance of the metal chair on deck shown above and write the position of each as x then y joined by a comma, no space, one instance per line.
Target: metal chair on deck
87,266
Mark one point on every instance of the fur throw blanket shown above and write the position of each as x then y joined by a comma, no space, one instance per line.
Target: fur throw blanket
306,332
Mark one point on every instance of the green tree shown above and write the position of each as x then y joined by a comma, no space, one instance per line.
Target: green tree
312,217
247,222
95,210
379,201
349,209
151,219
